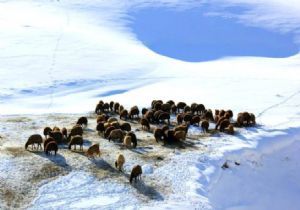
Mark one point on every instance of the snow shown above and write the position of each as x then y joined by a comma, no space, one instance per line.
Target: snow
62,57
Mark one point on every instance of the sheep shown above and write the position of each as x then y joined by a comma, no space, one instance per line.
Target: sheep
136,173
184,128
229,111
144,111
179,118
134,112
46,131
112,119
99,108
108,131
230,129
120,162
180,106
208,115
166,107
156,115
82,121
197,108
158,134
100,127
51,146
93,150
252,119
195,120
145,124
116,134
124,114
101,118
169,136
205,126
171,102
179,135
149,115
187,117
64,132
224,124
125,126
76,130
127,141
106,107
220,120
174,109
242,118
34,139
121,108
164,116
76,140
57,135
116,124
154,102
158,106
217,112
56,129
186,109
116,107
47,141
133,138
111,105
222,113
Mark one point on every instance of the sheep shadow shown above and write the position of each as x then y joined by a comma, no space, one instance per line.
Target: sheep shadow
57,159
147,190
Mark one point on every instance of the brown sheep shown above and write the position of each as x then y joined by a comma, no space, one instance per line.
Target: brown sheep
46,131
208,115
187,109
116,107
57,135
76,140
164,116
82,121
76,130
158,134
145,124
217,112
108,131
121,108
180,106
93,150
99,108
252,119
133,138
224,124
156,115
51,146
111,105
229,111
144,111
171,102
243,119
174,109
169,137
222,113
149,115
230,129
166,107
154,102
205,126
116,134
101,118
124,114
127,141
34,139
180,135
184,128
47,141
179,118
100,127
106,107
134,112
116,124
197,108
221,119
64,132
195,120
120,162
136,173
56,129
187,117
125,126
112,119
157,106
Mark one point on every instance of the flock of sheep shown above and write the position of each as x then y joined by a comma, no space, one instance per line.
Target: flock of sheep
154,119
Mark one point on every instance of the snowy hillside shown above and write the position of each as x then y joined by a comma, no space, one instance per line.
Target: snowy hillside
59,58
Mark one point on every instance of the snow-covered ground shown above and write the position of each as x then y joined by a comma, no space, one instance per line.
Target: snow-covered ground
62,57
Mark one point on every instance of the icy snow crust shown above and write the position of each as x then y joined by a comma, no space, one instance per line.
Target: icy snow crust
62,57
